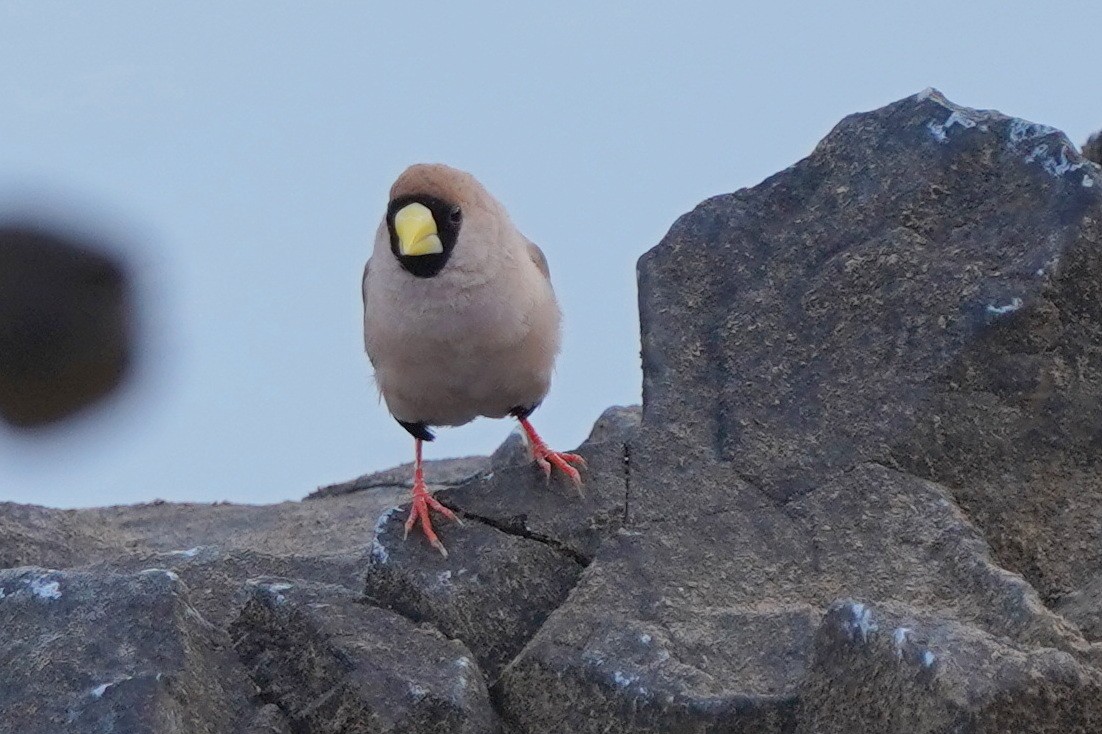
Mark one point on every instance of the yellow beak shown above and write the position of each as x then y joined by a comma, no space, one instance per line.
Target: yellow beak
416,231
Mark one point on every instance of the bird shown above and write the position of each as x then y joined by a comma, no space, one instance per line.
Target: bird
460,319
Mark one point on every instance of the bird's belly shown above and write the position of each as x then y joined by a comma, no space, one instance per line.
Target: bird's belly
450,379
452,387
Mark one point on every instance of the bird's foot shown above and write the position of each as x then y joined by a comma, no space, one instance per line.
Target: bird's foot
422,502
546,458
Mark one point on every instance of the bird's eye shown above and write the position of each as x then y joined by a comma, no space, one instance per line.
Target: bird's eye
455,216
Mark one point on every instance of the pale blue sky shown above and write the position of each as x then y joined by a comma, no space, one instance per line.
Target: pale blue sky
244,151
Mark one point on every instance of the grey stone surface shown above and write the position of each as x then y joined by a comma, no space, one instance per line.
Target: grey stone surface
438,473
215,577
888,670
800,339
86,653
1083,607
335,664
516,498
1092,149
493,591
706,618
269,720
619,423
337,526
32,535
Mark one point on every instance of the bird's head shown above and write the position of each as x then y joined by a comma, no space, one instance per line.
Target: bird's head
431,206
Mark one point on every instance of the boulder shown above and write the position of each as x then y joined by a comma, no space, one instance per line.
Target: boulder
890,671
215,577
338,526
103,652
439,473
523,543
493,591
855,374
334,664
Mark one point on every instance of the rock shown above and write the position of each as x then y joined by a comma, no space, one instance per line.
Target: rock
889,671
83,652
617,424
1092,149
1083,608
439,473
66,324
269,720
513,451
493,591
520,551
32,535
334,664
334,527
639,634
806,343
518,500
337,525
215,577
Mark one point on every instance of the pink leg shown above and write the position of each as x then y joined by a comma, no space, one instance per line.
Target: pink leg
546,458
422,501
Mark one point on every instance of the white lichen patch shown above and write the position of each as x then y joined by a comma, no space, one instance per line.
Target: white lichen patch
958,117
1055,164
1087,181
862,622
1014,305
170,574
443,578
1054,155
379,553
102,688
385,518
899,639
44,588
623,679
928,659
279,586
645,638
1021,130
189,553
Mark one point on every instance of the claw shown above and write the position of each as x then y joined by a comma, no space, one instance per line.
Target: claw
546,458
422,503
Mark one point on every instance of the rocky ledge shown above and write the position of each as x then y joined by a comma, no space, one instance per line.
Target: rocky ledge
863,494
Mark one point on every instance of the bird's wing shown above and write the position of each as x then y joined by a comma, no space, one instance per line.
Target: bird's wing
363,292
536,254
363,285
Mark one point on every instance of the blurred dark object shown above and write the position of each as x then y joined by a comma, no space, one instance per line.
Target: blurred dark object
66,337
1093,149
